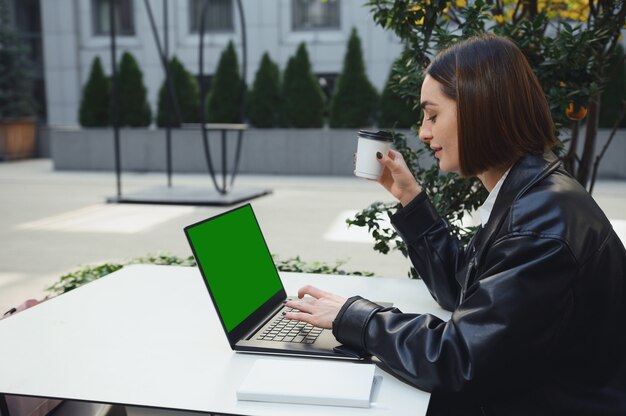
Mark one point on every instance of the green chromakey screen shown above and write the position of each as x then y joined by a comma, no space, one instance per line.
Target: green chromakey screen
236,263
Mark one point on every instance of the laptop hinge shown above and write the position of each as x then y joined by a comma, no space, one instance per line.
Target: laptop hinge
271,316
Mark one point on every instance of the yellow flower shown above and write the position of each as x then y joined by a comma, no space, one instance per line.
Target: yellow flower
414,9
461,3
499,18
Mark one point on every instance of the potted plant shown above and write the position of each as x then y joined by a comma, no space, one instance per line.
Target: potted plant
17,108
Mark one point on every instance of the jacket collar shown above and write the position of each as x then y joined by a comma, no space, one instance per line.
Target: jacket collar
525,173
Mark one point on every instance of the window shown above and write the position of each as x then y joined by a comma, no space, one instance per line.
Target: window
218,15
124,18
315,14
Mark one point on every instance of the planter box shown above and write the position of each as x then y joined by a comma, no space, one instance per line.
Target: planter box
264,151
17,139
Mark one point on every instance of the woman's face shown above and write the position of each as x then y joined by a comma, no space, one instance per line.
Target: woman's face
439,128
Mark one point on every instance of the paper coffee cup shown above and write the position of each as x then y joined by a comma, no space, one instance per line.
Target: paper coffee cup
371,142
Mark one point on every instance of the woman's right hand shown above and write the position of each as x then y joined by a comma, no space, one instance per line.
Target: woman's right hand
397,178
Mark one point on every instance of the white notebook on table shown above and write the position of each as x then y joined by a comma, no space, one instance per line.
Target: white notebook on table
309,381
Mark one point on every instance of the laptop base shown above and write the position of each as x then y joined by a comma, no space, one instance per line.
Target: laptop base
301,354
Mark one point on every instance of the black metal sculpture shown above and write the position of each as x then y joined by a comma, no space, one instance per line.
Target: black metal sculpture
114,98
172,100
170,196
224,128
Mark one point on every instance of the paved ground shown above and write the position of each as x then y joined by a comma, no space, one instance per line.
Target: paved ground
52,222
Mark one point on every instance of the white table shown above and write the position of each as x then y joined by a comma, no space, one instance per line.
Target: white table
148,336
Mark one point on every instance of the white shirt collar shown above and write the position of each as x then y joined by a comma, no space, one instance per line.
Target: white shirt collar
485,210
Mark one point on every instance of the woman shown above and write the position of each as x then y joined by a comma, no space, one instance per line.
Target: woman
539,295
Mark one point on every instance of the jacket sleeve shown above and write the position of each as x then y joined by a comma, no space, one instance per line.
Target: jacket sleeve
433,251
504,328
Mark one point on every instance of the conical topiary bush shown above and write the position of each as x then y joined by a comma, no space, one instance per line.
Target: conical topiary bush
187,93
394,110
134,110
303,99
224,99
355,100
264,101
95,104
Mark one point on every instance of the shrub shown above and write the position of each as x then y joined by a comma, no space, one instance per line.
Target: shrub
394,110
95,104
303,99
355,100
187,93
133,107
224,99
615,92
264,101
16,76
87,274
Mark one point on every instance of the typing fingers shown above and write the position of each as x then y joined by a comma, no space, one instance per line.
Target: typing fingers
300,316
311,291
306,307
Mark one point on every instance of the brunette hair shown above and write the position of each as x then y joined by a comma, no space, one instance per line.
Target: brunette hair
502,112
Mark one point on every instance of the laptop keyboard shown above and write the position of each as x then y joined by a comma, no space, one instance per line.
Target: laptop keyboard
289,330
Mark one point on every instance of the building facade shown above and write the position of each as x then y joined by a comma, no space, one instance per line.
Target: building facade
74,32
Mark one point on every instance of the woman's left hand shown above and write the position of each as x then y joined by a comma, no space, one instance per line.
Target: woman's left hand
320,312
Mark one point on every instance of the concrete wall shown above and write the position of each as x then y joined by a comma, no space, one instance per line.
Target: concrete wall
264,151
70,45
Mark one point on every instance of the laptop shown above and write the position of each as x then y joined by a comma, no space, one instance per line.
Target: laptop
247,292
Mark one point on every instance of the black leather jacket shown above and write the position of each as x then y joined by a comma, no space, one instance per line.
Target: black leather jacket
539,305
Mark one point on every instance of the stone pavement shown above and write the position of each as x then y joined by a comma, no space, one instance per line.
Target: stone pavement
52,222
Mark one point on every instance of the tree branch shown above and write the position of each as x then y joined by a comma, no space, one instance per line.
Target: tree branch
590,140
570,158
